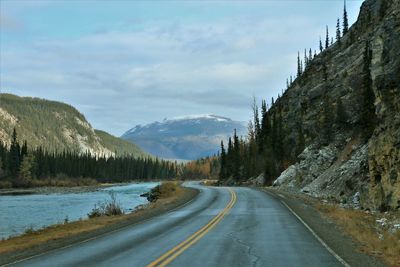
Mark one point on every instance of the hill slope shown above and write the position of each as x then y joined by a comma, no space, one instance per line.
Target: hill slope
56,126
186,138
339,161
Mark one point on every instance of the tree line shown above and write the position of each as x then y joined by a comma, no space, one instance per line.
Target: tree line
271,147
24,167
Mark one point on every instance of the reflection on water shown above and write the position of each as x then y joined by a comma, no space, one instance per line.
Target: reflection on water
17,213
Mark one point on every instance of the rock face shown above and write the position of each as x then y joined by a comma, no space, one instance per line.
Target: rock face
348,163
187,138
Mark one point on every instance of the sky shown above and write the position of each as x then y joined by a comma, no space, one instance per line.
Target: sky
123,63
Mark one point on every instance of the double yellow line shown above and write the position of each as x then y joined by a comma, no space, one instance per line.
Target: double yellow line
169,256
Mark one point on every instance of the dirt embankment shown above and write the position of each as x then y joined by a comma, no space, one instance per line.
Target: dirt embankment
60,235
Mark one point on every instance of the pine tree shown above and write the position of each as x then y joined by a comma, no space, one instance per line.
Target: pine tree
298,64
305,58
291,80
14,156
321,48
338,33
327,38
341,116
26,171
327,121
310,55
368,116
222,172
236,157
345,19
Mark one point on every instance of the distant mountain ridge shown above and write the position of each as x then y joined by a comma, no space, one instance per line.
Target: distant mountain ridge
186,137
57,127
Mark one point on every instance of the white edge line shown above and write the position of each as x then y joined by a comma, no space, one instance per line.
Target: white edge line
342,261
97,236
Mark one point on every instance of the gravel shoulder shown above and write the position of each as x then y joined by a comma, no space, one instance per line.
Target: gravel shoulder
140,216
343,245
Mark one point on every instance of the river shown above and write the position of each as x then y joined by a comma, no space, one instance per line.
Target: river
21,212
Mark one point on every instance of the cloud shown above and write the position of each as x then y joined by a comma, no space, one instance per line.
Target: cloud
162,67
10,23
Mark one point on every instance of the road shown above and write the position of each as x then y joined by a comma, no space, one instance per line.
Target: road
221,227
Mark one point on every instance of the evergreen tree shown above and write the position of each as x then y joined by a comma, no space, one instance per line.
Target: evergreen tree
341,116
345,19
327,121
26,171
222,172
291,80
305,59
14,155
368,116
310,55
236,157
338,33
299,69
327,38
321,48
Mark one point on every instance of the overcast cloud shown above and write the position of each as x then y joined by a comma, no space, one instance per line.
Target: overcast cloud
127,63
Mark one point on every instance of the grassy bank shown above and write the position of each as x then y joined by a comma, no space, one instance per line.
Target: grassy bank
171,195
376,239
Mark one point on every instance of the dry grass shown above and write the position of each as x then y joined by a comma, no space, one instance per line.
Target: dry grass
362,227
209,182
170,192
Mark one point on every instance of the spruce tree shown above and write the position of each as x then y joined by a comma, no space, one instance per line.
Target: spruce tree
298,64
305,58
327,38
368,116
310,55
14,156
345,19
341,116
338,33
236,157
222,172
321,48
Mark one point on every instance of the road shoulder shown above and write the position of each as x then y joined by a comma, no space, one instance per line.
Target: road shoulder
330,233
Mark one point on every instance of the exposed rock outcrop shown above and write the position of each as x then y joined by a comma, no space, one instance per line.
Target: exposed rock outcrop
346,163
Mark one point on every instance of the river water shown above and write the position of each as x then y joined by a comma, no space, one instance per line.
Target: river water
18,213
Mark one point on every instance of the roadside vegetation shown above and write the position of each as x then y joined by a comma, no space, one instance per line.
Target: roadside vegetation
107,208
164,190
108,215
377,236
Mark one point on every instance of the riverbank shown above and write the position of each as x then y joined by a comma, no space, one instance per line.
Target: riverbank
61,189
57,236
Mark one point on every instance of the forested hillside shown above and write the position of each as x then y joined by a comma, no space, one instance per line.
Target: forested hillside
23,166
335,131
57,127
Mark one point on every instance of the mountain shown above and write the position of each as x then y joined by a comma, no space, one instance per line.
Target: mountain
56,126
343,112
188,137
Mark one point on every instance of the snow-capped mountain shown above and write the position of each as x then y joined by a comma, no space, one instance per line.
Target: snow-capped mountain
187,137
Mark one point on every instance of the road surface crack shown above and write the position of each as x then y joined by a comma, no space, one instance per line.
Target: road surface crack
255,258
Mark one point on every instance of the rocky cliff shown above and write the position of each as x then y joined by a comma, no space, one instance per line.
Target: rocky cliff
349,166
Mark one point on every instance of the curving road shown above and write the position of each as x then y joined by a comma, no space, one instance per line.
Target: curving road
221,227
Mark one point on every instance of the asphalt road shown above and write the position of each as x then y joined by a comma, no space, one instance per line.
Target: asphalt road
220,227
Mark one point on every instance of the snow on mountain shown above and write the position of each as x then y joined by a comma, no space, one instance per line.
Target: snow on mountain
185,137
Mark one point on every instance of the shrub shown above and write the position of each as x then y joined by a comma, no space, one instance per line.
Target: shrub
110,208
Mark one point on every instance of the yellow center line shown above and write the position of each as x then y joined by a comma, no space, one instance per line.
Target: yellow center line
179,249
